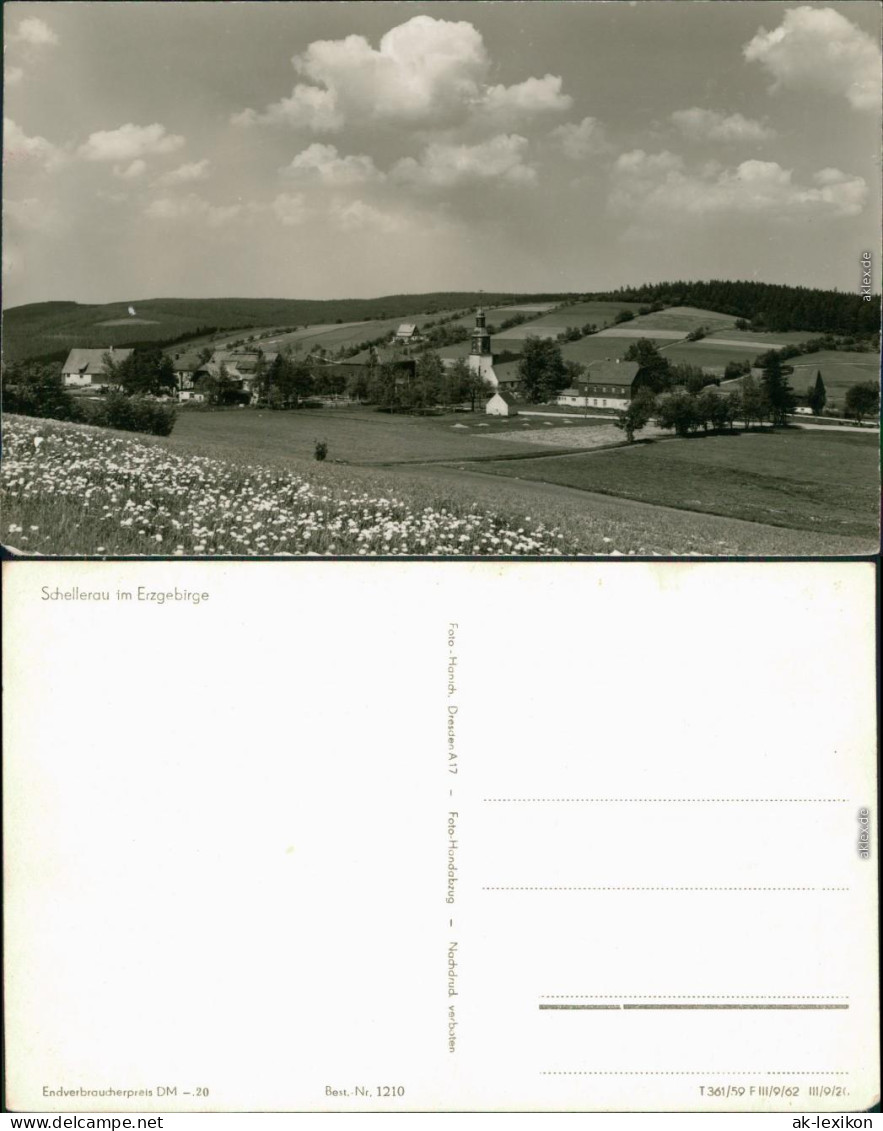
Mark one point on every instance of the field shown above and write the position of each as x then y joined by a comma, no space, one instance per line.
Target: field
820,481
839,369
332,336
578,313
353,435
684,318
71,489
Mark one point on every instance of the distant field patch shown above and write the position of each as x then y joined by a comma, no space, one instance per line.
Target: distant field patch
603,434
533,330
702,354
744,344
818,481
579,313
129,322
630,330
598,347
839,369
685,318
528,307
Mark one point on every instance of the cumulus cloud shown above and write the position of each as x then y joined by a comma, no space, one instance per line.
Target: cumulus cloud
20,149
309,107
533,96
424,72
290,209
326,164
185,174
192,207
129,142
660,185
444,165
356,215
582,139
820,49
35,32
709,125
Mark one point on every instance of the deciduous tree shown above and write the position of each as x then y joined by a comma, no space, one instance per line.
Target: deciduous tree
542,370
637,415
862,400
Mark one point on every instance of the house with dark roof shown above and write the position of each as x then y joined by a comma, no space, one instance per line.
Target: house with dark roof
187,368
607,384
408,334
86,366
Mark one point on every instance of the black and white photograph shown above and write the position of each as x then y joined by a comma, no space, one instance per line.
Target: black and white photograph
441,279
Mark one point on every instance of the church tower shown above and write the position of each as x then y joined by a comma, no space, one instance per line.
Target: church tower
481,360
481,339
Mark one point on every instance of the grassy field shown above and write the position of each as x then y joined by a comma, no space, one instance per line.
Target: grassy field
354,435
578,313
684,318
839,370
764,339
806,481
72,489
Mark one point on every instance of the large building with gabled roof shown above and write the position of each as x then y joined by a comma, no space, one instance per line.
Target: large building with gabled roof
86,366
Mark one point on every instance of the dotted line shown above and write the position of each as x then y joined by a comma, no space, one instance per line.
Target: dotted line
710,997
742,800
706,1072
653,889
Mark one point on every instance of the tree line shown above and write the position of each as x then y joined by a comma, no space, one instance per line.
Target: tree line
764,306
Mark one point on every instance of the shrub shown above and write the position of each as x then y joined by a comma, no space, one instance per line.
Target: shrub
321,449
135,414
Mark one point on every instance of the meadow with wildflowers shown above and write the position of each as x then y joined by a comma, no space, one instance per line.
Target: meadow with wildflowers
72,489
75,490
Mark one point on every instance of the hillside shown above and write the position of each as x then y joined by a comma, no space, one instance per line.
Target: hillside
46,331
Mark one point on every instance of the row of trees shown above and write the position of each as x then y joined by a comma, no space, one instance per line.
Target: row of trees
32,389
686,412
394,388
708,409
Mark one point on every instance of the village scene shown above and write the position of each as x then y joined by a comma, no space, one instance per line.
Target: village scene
679,405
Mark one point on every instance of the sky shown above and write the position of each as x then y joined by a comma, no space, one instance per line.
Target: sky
323,150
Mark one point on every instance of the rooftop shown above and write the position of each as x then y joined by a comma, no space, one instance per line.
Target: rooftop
92,360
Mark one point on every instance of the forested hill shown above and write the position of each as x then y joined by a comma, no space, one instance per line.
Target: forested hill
768,306
47,330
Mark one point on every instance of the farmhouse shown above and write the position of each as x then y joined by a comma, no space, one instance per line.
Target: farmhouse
86,366
187,367
408,334
608,384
